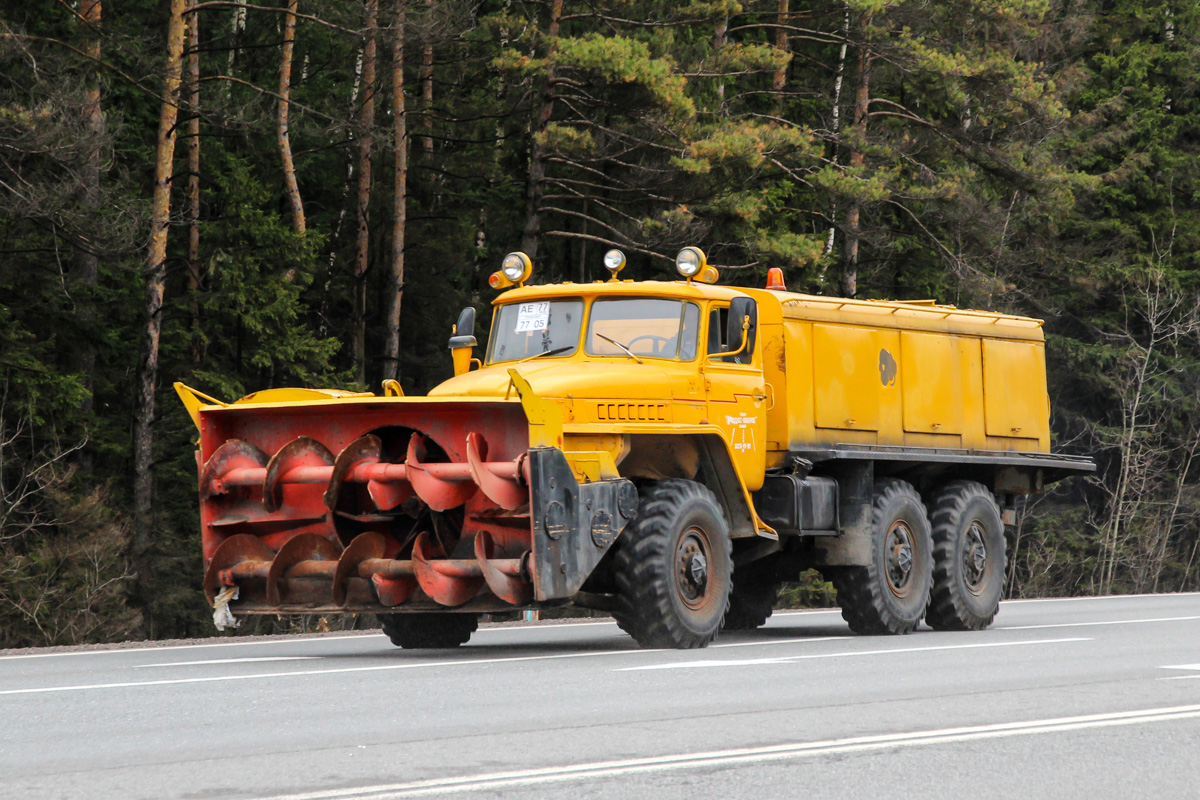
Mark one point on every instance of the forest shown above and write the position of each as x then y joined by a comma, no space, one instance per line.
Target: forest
305,192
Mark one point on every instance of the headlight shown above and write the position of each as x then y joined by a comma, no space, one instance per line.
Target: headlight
614,261
690,261
516,267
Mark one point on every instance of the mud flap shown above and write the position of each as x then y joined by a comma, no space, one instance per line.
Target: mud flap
574,524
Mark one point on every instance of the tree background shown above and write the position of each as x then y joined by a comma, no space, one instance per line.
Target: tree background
1032,156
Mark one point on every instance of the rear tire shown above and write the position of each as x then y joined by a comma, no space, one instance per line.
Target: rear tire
674,567
889,596
440,631
968,558
750,604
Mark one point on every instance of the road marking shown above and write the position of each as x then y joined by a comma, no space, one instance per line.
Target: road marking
229,661
1090,624
745,662
286,639
1182,666
536,627
747,755
386,667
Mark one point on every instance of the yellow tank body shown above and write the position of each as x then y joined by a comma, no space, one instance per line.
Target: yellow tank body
896,374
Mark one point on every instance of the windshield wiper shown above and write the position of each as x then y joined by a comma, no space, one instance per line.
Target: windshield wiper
623,347
553,352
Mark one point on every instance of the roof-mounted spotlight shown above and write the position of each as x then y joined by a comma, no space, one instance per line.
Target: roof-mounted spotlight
690,262
614,262
514,270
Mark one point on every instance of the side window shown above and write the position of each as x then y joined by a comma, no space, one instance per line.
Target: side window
689,341
717,319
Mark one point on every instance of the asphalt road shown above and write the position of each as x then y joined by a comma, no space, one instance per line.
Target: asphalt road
1091,698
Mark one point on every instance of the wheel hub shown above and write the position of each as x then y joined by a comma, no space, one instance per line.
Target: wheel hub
899,558
974,558
692,568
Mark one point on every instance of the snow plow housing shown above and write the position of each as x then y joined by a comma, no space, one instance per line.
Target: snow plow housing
624,445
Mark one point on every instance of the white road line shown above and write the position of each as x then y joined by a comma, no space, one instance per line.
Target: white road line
1091,624
282,640
455,663
1096,597
228,661
745,662
382,668
532,627
1182,666
748,755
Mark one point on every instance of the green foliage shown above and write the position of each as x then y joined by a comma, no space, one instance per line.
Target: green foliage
1023,155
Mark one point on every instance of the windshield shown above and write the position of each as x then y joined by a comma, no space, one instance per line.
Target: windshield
543,327
644,326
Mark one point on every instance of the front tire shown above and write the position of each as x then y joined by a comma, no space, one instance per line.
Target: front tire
674,567
889,595
431,631
968,558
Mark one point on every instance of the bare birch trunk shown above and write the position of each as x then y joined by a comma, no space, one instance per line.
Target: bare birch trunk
365,145
193,213
862,100
835,126
537,156
160,214
395,293
299,225
85,264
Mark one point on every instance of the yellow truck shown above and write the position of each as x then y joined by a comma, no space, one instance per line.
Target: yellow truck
669,452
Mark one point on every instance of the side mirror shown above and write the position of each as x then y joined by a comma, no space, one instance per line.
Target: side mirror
740,309
463,341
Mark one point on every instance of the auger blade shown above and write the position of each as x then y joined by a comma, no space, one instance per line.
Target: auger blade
308,550
242,548
231,457
369,545
508,587
502,489
363,450
432,575
298,453
440,494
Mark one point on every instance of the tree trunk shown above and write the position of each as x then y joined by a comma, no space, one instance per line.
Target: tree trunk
862,100
781,43
299,225
193,212
718,42
427,81
160,217
395,293
537,156
835,126
365,144
85,264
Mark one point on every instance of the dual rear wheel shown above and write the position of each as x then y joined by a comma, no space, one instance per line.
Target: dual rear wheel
946,566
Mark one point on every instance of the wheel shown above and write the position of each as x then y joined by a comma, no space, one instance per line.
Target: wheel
674,567
890,594
750,604
968,558
428,630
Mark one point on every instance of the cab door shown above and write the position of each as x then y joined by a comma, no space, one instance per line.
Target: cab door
737,392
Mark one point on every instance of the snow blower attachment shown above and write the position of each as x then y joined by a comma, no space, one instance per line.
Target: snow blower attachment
393,504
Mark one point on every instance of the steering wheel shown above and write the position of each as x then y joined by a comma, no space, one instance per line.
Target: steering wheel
660,342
